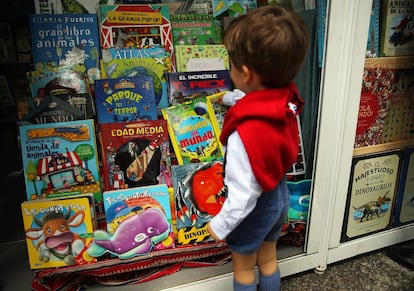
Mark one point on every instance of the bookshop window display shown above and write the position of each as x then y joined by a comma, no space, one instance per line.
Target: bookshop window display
152,145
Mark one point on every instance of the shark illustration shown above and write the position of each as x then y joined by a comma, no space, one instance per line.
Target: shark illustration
136,235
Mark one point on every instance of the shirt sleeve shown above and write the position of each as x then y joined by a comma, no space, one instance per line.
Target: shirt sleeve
243,189
230,98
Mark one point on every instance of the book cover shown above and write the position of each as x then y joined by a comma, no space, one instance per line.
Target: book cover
397,22
190,29
154,51
385,109
199,194
185,86
69,6
57,232
125,99
135,154
374,31
138,221
153,67
58,80
135,25
191,132
404,208
371,193
51,109
207,57
60,159
233,7
56,108
66,40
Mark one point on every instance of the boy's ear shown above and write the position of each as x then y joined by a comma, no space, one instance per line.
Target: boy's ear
247,74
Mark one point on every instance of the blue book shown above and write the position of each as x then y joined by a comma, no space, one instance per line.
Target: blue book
125,99
374,31
60,159
66,40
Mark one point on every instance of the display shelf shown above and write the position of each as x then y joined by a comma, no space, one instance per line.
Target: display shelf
399,63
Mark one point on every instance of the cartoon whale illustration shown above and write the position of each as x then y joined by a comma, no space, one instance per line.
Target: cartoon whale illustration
136,235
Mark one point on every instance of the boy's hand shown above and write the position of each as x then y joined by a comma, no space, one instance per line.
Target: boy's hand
212,234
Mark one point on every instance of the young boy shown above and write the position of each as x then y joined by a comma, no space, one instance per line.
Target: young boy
266,49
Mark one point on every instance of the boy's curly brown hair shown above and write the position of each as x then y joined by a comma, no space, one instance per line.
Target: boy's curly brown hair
271,41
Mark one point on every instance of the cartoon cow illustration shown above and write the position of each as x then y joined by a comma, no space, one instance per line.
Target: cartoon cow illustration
58,241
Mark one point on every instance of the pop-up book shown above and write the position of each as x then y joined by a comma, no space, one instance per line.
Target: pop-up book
199,193
58,232
60,159
138,221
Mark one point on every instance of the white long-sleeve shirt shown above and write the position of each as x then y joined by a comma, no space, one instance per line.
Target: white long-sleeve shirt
242,185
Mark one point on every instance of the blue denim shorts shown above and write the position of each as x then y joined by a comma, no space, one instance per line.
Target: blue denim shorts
264,223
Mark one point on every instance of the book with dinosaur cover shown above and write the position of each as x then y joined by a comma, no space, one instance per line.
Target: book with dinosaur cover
199,194
397,36
371,193
135,154
66,40
185,86
153,67
125,99
58,232
60,159
138,221
201,57
191,132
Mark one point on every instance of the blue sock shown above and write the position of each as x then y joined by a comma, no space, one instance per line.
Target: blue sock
244,287
270,282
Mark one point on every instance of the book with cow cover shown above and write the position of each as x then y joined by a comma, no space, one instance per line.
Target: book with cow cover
138,221
60,159
199,194
192,133
66,39
58,231
125,99
157,68
185,86
135,154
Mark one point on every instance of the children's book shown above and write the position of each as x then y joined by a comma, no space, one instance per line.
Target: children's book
69,6
135,154
157,68
51,109
58,81
58,232
135,26
191,132
66,40
217,111
185,86
233,7
207,57
397,36
60,159
199,194
138,221
154,51
189,29
125,99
